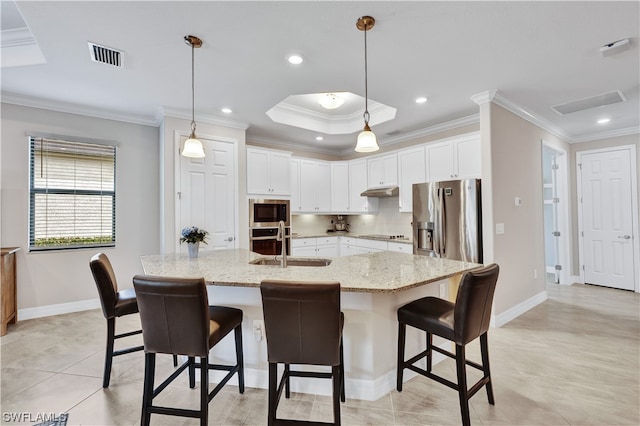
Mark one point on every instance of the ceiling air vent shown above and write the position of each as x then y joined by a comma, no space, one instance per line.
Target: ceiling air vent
595,101
105,55
394,132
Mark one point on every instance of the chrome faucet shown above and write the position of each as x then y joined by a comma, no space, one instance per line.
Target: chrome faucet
282,236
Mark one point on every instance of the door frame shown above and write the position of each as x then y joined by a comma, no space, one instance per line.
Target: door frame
562,180
178,137
634,209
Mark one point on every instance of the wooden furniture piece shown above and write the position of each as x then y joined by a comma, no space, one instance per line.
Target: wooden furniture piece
303,326
177,319
9,313
460,322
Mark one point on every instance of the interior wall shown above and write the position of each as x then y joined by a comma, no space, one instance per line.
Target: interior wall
586,146
167,172
514,147
56,277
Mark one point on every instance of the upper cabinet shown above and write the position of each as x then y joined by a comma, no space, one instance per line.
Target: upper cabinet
411,167
382,171
268,172
456,158
357,185
340,187
315,186
296,207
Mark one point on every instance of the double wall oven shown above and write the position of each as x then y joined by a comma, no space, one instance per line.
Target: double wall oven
264,217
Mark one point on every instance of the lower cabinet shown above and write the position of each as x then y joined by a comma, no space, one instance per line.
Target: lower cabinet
343,246
315,246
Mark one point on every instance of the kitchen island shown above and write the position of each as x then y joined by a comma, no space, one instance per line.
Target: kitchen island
373,285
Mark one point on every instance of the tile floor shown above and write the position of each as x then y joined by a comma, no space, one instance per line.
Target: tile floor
572,360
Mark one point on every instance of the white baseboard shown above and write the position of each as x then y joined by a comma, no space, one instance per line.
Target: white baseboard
575,279
519,309
61,308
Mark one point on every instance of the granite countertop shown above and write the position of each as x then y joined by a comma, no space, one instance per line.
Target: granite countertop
380,272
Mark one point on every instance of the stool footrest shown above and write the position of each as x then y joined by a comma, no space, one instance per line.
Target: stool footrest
451,355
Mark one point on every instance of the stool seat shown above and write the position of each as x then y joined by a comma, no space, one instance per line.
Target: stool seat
430,313
126,302
222,320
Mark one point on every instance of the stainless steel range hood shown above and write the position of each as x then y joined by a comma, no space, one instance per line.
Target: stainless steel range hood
389,191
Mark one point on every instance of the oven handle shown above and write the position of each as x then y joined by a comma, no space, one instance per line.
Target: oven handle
262,238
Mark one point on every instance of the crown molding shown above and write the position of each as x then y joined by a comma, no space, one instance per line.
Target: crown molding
290,145
484,97
628,131
16,37
70,108
200,118
436,128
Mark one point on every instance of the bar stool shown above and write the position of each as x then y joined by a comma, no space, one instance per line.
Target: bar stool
176,319
303,325
460,323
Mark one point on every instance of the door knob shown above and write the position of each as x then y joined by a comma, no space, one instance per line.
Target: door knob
230,239
626,237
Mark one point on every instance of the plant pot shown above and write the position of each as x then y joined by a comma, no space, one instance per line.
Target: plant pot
193,249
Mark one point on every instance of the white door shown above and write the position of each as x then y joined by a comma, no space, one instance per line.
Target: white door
207,194
607,223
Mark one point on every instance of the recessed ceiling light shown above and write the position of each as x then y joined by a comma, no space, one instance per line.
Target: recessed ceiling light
604,120
295,59
319,138
226,110
421,100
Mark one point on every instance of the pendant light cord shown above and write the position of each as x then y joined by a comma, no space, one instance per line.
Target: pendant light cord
193,91
366,94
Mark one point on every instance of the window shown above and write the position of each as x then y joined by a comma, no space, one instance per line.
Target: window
72,194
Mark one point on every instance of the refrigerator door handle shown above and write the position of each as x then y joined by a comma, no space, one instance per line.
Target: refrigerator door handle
443,223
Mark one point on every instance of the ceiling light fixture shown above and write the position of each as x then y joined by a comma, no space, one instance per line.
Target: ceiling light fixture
193,147
604,120
330,101
366,139
295,59
226,110
319,138
421,100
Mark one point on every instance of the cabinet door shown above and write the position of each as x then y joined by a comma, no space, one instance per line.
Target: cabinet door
412,169
440,161
375,172
357,185
257,172
467,158
304,251
294,172
340,187
279,175
323,187
390,170
401,247
307,186
329,251
348,250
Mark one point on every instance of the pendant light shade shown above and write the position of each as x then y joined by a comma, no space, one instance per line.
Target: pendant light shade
192,147
367,141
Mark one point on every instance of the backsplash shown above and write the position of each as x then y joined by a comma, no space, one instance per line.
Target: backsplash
388,220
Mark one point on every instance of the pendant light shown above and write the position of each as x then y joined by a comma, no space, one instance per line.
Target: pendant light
192,147
366,139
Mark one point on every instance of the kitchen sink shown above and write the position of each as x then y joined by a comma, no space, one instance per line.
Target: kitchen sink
291,261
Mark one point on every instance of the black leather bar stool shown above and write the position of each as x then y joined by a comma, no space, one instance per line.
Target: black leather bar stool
303,325
176,319
460,323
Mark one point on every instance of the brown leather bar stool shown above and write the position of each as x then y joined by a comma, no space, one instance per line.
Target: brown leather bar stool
176,319
303,325
114,304
460,323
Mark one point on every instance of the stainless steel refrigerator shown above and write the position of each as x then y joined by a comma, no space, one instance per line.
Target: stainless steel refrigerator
447,220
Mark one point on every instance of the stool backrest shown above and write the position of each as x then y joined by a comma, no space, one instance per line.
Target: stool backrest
472,311
174,313
302,322
106,283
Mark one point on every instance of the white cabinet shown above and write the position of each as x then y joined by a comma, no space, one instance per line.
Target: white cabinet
340,187
268,172
294,167
412,169
400,247
382,171
315,186
357,185
371,246
320,246
456,158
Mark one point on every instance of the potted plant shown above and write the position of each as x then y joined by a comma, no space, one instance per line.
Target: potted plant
193,236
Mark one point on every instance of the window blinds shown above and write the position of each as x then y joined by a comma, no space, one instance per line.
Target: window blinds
72,194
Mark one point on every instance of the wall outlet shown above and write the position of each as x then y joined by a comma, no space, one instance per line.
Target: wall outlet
258,329
535,274
443,290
